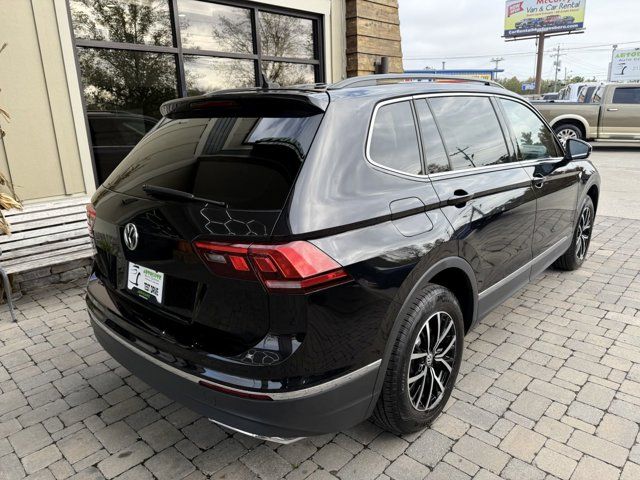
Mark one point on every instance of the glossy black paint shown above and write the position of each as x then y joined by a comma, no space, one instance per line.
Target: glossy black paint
392,232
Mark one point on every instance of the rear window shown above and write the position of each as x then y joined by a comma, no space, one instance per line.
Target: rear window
250,163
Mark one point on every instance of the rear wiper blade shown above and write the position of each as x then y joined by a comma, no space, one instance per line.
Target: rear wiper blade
173,194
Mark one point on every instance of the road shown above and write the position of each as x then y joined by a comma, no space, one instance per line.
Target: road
620,171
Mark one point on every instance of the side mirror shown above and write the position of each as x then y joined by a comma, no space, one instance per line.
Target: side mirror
576,149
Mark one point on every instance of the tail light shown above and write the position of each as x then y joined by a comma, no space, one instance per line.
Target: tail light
91,218
295,267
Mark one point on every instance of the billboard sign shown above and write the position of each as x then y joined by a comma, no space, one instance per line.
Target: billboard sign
625,65
528,86
531,17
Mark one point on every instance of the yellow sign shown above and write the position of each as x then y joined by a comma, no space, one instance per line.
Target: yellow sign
530,17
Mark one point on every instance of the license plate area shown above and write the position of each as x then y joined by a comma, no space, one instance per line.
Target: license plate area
145,282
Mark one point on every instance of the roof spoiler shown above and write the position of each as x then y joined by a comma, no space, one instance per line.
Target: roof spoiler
392,78
246,103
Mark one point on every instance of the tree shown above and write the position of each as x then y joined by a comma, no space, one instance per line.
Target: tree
122,79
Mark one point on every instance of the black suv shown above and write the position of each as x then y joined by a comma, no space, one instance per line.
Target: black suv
292,261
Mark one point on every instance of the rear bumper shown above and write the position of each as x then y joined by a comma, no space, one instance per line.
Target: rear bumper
323,408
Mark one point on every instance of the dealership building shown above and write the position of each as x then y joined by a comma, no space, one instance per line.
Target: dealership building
82,80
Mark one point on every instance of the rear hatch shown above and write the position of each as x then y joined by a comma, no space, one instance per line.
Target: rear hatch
217,170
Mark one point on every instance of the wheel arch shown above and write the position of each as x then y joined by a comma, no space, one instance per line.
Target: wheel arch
454,273
575,120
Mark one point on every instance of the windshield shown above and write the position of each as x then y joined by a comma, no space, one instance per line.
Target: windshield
249,163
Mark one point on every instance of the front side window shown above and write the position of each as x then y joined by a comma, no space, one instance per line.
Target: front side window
534,139
471,131
626,95
394,140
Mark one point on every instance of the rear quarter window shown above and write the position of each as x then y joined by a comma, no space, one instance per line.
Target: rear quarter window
394,139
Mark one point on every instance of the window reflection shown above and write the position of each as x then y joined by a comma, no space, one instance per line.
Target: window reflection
434,153
534,139
286,36
123,91
284,73
126,21
471,131
210,26
206,74
394,142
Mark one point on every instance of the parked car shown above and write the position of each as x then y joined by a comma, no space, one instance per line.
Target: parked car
547,97
292,261
612,114
528,23
568,20
571,92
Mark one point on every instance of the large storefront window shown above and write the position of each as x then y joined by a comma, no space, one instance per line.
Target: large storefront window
136,54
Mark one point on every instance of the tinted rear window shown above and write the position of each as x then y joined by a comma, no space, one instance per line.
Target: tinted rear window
250,163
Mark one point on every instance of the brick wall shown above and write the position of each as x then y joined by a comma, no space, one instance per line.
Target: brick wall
25,282
373,30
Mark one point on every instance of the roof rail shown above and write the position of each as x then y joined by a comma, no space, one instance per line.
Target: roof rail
389,78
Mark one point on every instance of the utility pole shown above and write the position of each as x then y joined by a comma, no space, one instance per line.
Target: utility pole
539,63
443,64
497,61
556,65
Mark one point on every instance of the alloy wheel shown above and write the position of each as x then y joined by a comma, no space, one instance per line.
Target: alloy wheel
431,362
583,233
566,134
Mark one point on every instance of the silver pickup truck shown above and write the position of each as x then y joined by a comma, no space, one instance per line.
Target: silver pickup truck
612,115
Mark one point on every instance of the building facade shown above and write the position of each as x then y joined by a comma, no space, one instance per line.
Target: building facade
82,80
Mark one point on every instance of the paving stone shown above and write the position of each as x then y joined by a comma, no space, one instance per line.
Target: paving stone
79,445
591,468
160,435
204,433
473,415
429,448
11,468
631,471
481,454
332,457
474,383
530,405
512,381
406,468
367,465
585,412
214,459
519,470
522,443
124,460
599,448
444,471
138,472
30,440
169,465
116,436
618,430
555,463
266,463
552,428
40,459
596,395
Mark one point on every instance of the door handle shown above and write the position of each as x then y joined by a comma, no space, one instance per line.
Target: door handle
612,109
460,197
538,180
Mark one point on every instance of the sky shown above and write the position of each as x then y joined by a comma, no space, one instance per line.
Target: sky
434,31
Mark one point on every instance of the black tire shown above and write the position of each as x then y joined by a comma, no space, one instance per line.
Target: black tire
395,410
574,257
567,130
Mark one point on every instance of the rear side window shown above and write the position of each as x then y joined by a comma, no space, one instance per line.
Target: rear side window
394,140
434,152
250,163
471,131
627,95
533,137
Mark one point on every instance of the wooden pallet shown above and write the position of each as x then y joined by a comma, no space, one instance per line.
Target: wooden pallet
46,234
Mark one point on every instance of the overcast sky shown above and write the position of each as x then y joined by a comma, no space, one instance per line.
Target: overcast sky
436,30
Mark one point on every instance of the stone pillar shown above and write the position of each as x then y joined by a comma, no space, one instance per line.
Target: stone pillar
373,30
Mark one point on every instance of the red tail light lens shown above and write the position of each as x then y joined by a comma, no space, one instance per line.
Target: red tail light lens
91,218
295,267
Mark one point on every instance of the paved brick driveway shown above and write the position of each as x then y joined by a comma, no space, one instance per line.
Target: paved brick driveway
550,387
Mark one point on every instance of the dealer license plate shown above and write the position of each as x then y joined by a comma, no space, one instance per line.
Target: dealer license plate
145,282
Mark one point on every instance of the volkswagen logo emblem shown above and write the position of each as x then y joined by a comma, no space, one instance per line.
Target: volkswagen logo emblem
130,236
